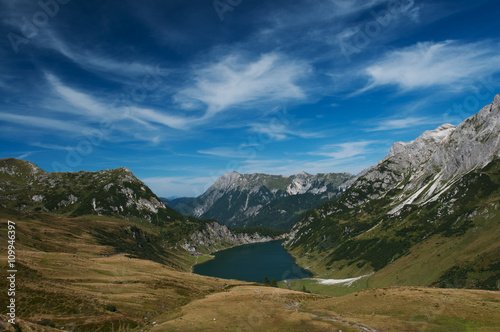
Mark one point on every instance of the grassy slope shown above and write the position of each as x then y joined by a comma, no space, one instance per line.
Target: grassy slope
452,242
65,281
391,309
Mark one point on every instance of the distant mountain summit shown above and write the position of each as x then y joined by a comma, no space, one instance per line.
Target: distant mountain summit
239,200
437,194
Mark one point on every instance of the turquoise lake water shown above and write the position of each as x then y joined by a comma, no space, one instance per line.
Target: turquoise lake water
252,262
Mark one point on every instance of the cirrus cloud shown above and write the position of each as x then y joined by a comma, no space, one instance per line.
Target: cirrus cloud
234,82
449,63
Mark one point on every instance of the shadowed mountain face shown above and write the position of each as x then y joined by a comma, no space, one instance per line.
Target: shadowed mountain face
439,193
242,200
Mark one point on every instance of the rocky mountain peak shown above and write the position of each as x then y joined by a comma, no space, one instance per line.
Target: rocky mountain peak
303,174
14,169
227,180
428,141
262,199
496,101
437,135
113,192
426,167
125,169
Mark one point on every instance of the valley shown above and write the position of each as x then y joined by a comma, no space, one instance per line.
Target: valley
409,244
67,283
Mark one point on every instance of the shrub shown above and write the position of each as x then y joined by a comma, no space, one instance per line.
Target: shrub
111,308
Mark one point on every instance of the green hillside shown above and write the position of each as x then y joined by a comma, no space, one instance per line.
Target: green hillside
451,241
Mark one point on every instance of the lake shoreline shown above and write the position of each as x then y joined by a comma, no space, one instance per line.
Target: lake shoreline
212,253
253,262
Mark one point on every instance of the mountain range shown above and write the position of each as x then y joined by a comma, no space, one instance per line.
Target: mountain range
146,227
436,194
245,200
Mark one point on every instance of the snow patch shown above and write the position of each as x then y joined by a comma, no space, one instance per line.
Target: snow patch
347,282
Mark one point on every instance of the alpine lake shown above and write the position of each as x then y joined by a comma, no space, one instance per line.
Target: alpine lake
253,262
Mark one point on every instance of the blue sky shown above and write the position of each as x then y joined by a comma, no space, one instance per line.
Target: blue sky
182,91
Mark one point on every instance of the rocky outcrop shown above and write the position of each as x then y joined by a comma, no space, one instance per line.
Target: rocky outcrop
425,168
214,235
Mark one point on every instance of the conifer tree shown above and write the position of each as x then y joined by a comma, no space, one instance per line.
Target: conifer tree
266,281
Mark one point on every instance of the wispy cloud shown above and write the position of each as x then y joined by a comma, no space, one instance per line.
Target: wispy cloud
313,18
25,155
351,165
450,64
281,131
97,61
49,146
235,81
102,109
294,166
183,186
56,126
160,118
346,7
352,157
81,100
224,152
344,150
401,123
